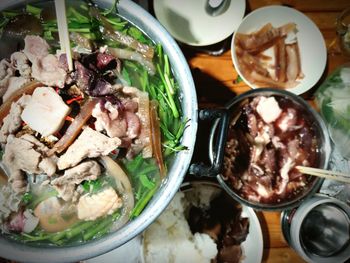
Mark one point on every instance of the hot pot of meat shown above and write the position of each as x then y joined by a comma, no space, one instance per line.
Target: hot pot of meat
90,155
258,143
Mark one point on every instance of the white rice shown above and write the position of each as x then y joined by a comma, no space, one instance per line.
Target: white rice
169,238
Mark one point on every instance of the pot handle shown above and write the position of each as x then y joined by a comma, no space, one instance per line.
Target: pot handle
223,116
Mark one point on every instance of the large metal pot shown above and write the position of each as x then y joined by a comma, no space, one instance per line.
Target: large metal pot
177,169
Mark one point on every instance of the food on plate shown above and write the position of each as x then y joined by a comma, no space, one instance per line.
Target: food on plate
82,151
270,56
271,136
202,224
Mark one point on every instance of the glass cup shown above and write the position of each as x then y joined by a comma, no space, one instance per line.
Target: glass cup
343,31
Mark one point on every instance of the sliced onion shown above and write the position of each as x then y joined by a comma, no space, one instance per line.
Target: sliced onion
26,89
133,55
123,187
156,138
120,37
75,128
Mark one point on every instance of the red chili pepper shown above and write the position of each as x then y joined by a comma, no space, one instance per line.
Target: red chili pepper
78,98
69,118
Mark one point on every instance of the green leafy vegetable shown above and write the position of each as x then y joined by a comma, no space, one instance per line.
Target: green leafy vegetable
239,79
92,186
35,11
112,10
82,230
27,198
10,14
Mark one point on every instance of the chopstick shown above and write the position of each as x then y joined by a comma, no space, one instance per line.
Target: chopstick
333,175
63,33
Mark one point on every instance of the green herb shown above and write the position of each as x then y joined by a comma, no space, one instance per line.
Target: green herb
74,15
27,198
104,225
239,79
146,182
143,202
35,11
80,230
112,10
10,14
92,186
3,22
126,76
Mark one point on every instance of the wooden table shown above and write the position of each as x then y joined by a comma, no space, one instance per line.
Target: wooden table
215,79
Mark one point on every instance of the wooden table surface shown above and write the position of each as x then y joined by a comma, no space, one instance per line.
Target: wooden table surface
215,79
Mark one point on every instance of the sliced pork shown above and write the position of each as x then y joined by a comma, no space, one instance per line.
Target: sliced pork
6,71
97,205
21,63
89,144
48,71
25,154
14,84
66,184
35,48
12,122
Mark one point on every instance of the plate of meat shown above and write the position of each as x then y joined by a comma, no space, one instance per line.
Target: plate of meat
279,47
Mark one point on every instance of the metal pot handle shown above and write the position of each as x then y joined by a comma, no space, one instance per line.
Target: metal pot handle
223,116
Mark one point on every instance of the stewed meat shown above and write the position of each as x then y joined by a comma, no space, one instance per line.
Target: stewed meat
264,147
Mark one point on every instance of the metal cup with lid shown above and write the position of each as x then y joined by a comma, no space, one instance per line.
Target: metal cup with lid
319,229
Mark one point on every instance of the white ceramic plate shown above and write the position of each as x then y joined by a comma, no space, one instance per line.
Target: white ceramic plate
313,52
253,246
188,22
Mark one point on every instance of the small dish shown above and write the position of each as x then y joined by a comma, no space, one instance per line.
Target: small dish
189,23
313,52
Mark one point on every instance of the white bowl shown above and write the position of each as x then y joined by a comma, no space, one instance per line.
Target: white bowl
313,52
188,22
